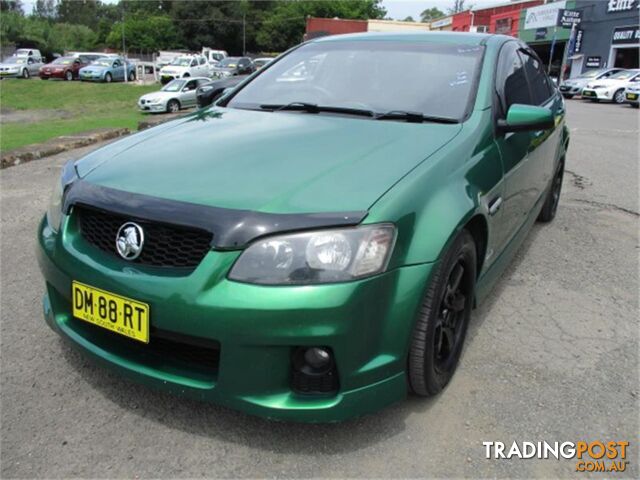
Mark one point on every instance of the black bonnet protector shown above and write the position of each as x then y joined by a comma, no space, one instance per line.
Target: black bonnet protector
231,229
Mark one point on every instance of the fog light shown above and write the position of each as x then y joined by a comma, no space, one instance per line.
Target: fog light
318,358
314,371
312,360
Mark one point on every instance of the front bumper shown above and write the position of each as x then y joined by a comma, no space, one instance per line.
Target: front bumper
10,74
570,90
152,107
366,324
599,94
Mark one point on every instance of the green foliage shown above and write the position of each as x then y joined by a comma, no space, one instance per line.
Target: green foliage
431,14
144,33
285,24
63,36
408,19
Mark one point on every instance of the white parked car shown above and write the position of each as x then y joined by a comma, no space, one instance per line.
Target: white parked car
611,89
177,94
574,86
185,66
20,66
28,52
632,95
214,56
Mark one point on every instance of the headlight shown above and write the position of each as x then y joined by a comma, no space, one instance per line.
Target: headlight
54,212
595,87
324,256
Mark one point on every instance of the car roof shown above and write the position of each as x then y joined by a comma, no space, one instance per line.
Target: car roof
427,37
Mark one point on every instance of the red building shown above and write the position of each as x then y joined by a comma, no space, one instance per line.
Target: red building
319,27
498,19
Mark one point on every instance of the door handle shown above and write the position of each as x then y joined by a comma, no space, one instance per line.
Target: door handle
494,205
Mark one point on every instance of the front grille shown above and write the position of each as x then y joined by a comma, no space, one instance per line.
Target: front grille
164,245
164,348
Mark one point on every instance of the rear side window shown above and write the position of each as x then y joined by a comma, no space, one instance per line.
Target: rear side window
541,91
511,80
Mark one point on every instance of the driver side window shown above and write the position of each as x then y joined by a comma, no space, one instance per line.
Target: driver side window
511,81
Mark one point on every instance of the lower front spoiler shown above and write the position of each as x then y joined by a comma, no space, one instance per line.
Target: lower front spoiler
278,406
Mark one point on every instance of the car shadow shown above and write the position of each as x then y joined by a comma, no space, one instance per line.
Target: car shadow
214,421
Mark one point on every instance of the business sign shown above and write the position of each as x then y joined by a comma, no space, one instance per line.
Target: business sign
444,22
626,35
620,5
543,16
568,18
577,46
593,62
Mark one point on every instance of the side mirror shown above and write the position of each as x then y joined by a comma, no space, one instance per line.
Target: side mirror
522,118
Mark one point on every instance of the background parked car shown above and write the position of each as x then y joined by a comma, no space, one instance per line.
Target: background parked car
632,94
233,66
20,66
165,57
177,94
108,69
185,66
28,52
611,89
213,89
574,86
214,56
67,68
261,62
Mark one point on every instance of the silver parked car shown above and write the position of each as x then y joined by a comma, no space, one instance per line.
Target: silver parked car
20,66
574,86
177,94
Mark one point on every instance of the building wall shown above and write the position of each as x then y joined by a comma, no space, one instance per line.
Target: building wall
598,26
393,26
333,26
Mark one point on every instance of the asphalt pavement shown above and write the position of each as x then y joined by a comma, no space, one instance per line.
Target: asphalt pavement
551,356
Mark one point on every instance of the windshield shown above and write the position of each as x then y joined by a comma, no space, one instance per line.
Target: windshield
15,60
173,86
435,80
591,74
102,63
181,62
230,62
63,61
624,75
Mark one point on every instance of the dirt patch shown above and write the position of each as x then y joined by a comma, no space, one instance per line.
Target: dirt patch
10,115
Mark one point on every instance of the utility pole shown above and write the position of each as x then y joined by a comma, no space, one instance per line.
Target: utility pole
124,50
244,33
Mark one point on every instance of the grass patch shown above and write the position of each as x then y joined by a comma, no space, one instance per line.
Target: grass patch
91,105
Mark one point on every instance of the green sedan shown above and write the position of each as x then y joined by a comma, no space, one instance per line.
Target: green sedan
312,246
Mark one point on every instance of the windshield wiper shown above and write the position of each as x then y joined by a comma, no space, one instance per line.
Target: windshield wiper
414,117
315,108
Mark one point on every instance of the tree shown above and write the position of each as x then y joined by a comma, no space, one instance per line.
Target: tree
459,6
408,19
63,37
11,6
45,9
284,25
431,14
83,12
144,33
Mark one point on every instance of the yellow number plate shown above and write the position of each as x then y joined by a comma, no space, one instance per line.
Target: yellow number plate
119,314
632,96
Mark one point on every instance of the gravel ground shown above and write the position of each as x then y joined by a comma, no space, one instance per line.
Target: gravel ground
552,355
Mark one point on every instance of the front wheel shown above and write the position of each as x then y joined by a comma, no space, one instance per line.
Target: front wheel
550,206
68,76
132,76
108,78
568,96
173,106
441,327
618,97
25,73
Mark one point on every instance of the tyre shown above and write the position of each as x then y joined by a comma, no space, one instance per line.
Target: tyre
568,96
68,76
635,105
550,206
173,106
108,78
25,73
132,76
44,78
438,335
618,97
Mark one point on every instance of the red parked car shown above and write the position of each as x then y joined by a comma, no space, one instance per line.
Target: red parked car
64,67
